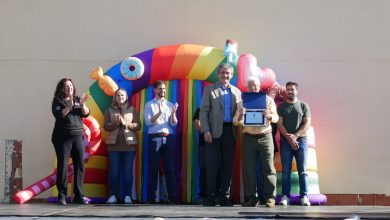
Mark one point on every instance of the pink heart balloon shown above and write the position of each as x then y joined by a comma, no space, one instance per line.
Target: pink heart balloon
246,67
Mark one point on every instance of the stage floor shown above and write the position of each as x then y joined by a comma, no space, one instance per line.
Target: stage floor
138,211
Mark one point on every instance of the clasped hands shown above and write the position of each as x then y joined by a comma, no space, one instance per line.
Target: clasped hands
292,139
69,102
84,98
121,121
173,110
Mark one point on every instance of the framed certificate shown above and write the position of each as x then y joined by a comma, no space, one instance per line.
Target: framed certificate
254,117
254,103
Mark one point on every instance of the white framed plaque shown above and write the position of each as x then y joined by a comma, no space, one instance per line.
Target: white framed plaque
254,117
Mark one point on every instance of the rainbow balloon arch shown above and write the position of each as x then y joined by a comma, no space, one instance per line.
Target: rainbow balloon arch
187,69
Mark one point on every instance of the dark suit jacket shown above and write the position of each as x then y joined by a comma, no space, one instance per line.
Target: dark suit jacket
212,108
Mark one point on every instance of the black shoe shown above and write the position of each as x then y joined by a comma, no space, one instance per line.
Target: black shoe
209,202
251,202
61,201
225,202
217,201
200,201
150,201
81,201
163,201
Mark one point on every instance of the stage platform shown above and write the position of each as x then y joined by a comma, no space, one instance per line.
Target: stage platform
142,211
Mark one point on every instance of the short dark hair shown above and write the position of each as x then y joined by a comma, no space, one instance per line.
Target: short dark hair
225,65
157,83
290,83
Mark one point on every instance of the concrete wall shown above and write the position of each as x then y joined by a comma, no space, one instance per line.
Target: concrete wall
338,51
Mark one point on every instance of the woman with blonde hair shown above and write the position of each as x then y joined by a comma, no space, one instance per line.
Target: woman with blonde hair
121,121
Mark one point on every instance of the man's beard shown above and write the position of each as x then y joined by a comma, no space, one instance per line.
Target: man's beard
291,97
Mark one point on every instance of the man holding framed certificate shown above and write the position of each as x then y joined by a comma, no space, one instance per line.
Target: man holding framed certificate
254,104
255,114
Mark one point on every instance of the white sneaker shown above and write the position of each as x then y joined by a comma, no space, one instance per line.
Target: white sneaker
284,201
128,200
305,201
112,200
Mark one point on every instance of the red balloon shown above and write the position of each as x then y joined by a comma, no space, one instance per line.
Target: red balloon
271,91
281,94
246,66
268,78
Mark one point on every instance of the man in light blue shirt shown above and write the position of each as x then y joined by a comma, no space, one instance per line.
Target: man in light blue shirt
160,117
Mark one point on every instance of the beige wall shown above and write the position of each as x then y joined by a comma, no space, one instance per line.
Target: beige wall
337,50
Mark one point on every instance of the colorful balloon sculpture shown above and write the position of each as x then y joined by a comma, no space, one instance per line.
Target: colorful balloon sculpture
187,68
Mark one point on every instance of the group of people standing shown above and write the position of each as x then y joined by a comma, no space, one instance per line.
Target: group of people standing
121,121
292,118
220,112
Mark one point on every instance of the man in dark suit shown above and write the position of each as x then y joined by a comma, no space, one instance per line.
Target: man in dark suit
217,108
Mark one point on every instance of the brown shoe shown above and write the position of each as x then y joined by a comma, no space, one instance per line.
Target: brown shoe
270,203
251,202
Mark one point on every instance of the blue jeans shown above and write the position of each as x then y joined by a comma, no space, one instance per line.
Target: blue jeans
120,162
286,156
